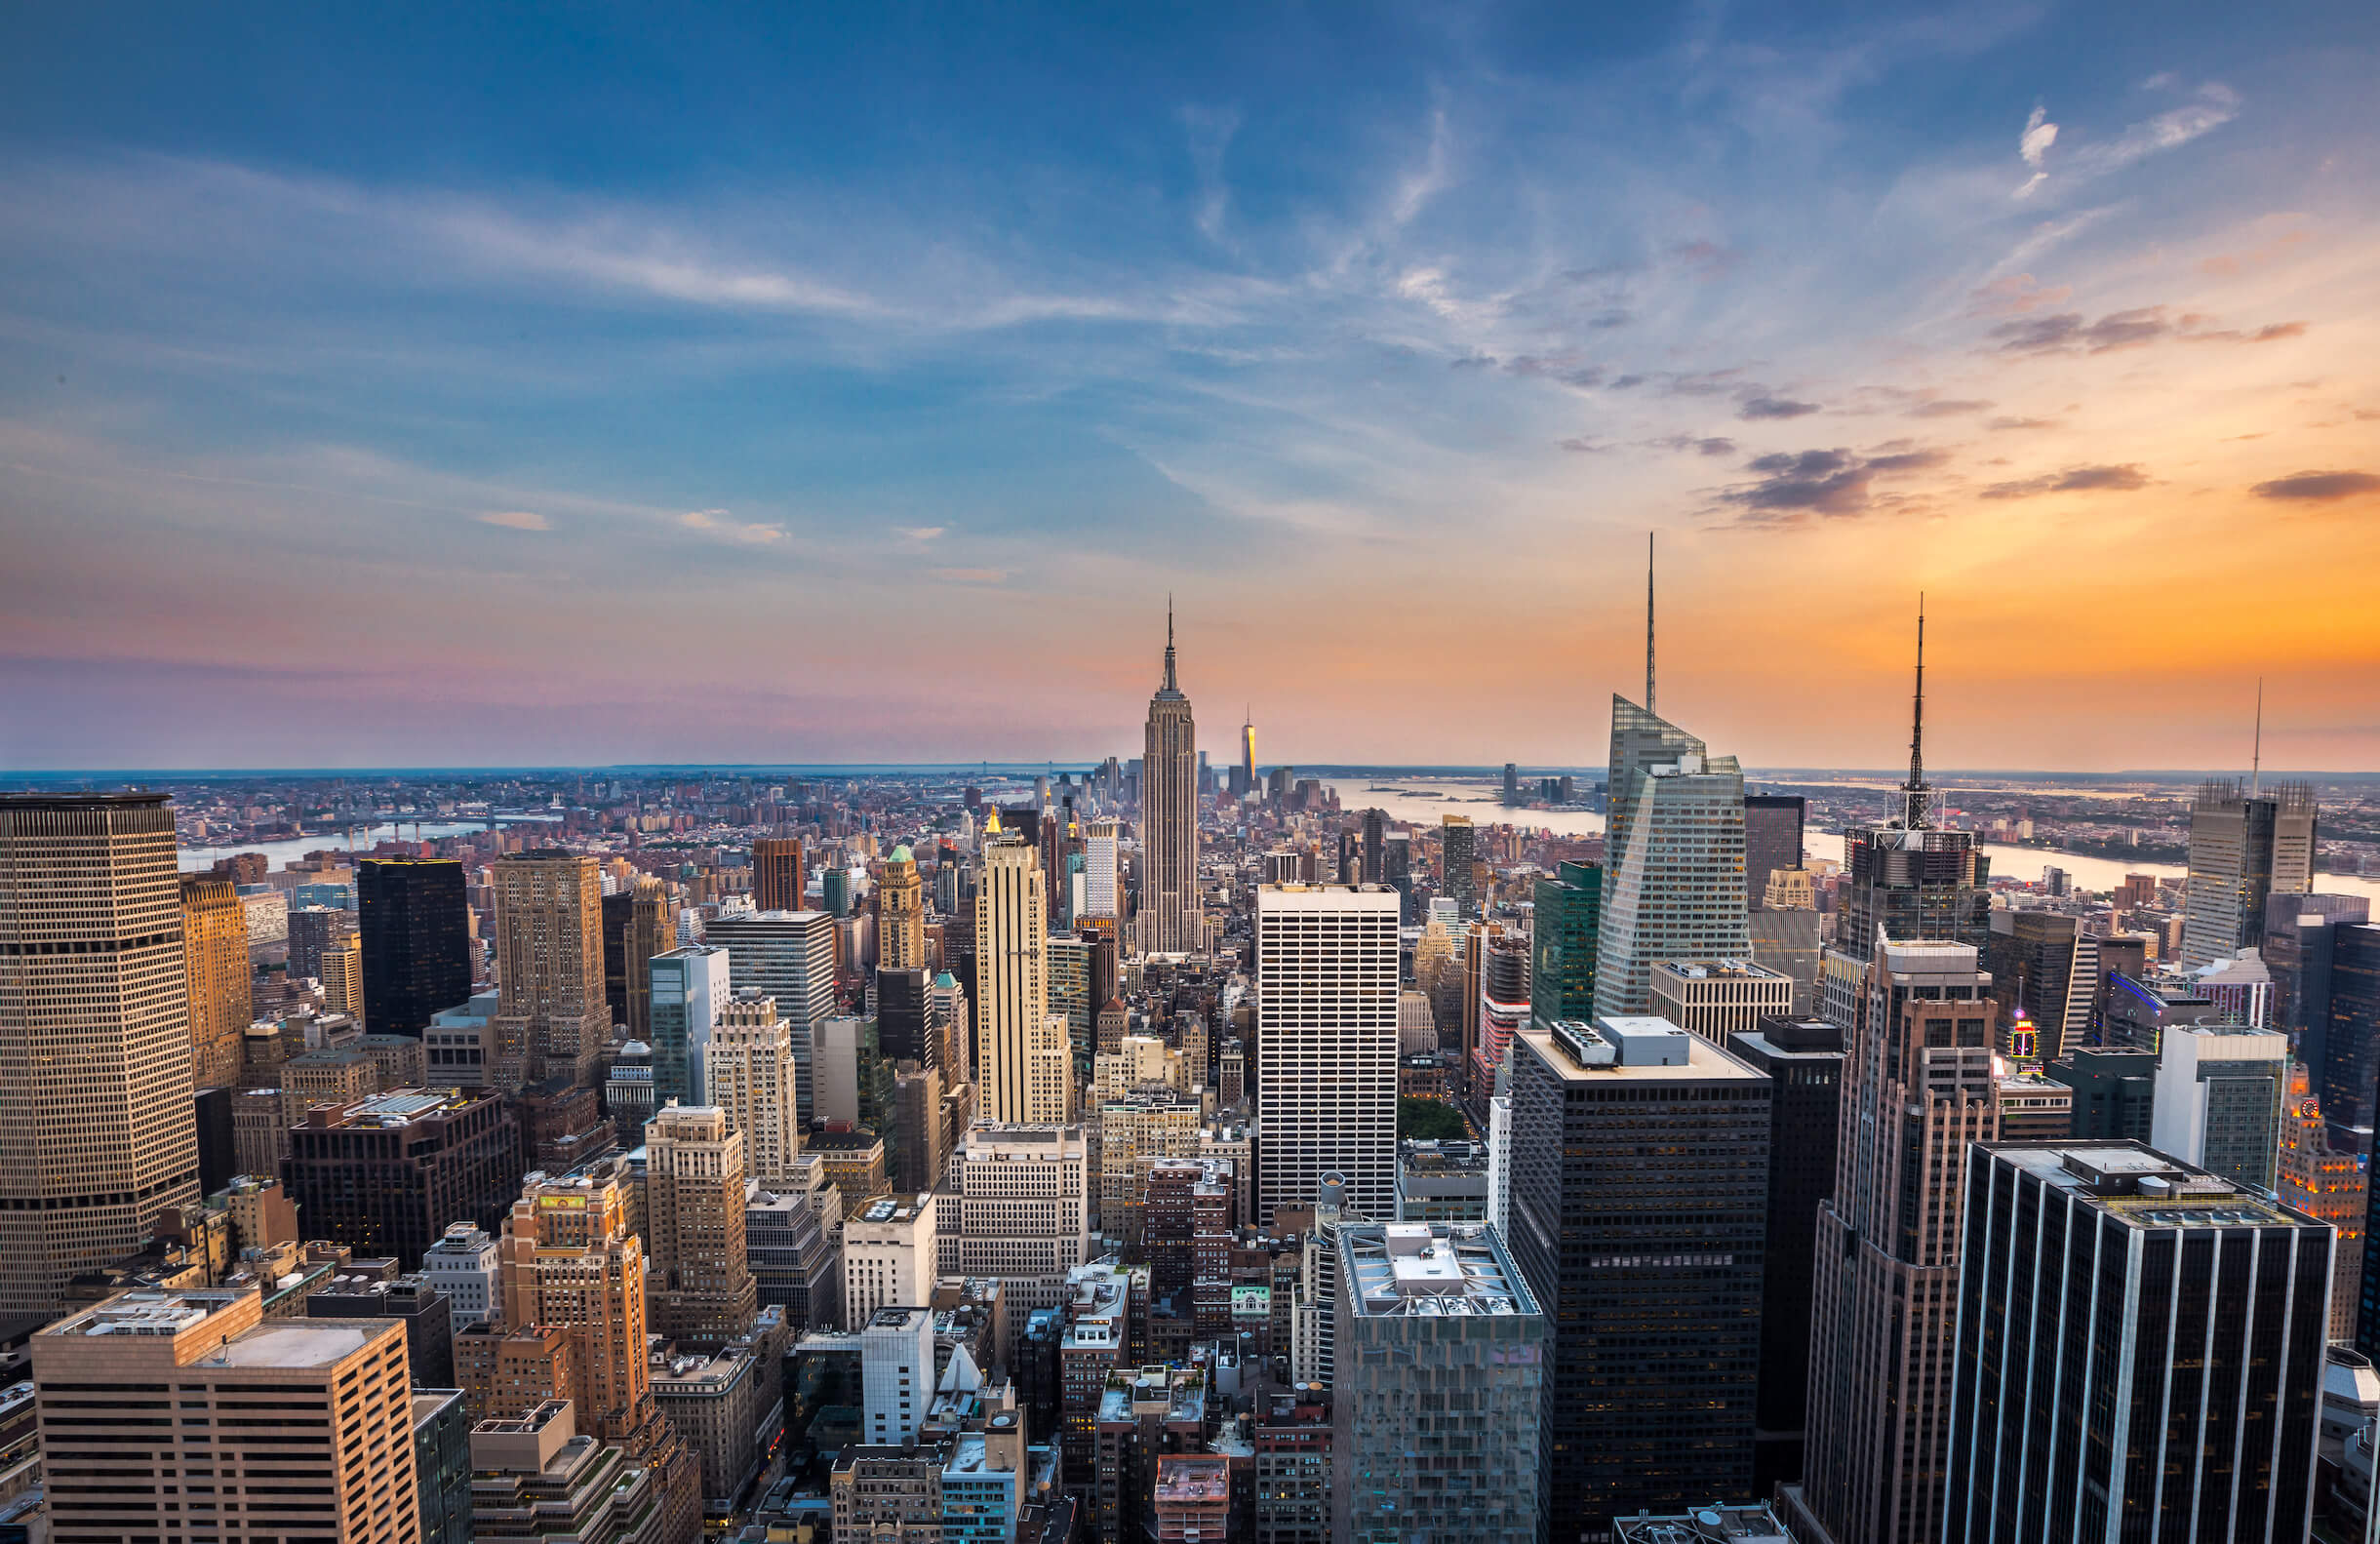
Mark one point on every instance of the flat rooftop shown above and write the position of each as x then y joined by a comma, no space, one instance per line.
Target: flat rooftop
2143,1188
1429,1269
1704,1062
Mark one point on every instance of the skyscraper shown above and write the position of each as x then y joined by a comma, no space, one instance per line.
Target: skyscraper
2139,1352
1457,851
1326,1044
214,957
2045,975
695,1169
569,1260
2244,847
1102,891
750,1073
788,955
239,1384
1247,753
685,989
1673,858
1772,840
1909,877
417,938
1169,819
778,879
1639,1201
652,929
1376,831
1804,1060
2219,1092
1438,1308
900,915
551,1016
1917,1088
1011,972
1568,911
342,978
95,1042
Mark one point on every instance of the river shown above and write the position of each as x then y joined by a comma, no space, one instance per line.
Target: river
278,853
2007,862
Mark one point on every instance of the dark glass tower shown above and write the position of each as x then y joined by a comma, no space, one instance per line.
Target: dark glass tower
2139,1352
1561,976
416,941
1638,1214
1804,1060
1772,840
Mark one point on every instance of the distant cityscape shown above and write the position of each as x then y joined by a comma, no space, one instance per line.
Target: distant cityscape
1184,1146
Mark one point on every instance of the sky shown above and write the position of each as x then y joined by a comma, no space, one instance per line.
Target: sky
593,385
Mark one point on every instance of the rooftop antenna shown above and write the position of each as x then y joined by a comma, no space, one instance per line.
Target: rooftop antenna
1914,796
1648,621
1170,685
2255,766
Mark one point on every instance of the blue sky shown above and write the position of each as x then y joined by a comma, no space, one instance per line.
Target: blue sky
613,385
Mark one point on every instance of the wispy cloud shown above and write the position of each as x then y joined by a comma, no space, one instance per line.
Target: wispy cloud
719,523
2125,479
1426,180
2213,106
516,520
2319,487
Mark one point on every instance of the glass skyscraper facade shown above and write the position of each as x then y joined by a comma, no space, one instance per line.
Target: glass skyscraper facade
1569,912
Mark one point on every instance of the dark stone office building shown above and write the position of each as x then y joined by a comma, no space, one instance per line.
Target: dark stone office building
1804,1060
2114,1092
386,1176
1638,1216
416,941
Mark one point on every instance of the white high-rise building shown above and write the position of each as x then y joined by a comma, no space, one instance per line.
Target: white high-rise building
1326,1044
1673,859
896,1373
788,955
1101,857
890,1251
1024,1211
461,1265
750,1073
1011,974
2219,1091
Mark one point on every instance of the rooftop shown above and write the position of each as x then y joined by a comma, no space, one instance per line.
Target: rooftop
1712,1525
1633,1048
2136,1185
1417,1268
1720,969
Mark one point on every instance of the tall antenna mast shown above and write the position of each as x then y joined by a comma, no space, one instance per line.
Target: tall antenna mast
1914,795
1648,621
2255,766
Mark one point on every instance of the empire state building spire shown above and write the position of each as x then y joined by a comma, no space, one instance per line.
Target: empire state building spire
1170,920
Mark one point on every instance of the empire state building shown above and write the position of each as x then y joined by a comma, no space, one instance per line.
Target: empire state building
1170,922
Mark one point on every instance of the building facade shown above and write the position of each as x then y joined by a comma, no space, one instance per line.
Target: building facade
1441,1372
416,935
788,955
1673,858
1327,961
1638,1206
1168,819
94,993
2244,847
552,1016
750,1073
1011,974
701,1287
1918,1088
215,959
2139,1352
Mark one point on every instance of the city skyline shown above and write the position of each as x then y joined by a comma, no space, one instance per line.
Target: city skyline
509,416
